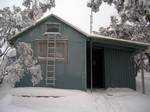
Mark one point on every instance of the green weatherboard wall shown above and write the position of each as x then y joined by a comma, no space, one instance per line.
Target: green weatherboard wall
72,75
119,68
68,75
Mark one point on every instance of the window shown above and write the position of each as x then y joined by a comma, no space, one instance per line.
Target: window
53,27
61,50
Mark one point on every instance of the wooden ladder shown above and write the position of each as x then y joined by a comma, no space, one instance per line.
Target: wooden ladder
51,61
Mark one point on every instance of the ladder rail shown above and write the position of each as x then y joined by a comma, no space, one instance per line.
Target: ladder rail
51,52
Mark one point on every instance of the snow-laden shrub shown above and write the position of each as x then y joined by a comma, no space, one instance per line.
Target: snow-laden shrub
13,67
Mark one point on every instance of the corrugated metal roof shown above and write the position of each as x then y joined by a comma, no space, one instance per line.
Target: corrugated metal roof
101,37
90,36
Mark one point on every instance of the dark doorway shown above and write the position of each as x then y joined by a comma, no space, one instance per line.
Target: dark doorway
98,77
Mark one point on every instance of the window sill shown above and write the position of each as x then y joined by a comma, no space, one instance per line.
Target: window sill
44,59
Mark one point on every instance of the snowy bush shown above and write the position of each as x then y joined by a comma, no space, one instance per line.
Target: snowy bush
13,67
14,62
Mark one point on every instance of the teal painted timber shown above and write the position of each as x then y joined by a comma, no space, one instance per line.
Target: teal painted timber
119,68
118,60
70,75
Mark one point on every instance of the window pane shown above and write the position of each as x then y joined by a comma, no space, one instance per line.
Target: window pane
60,50
42,49
50,44
51,68
52,27
51,50
50,74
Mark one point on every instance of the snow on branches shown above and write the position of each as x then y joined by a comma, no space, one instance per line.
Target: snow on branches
15,20
13,67
133,22
94,5
36,8
29,64
16,61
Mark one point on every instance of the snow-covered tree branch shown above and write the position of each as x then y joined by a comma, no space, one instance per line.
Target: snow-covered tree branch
133,22
15,20
15,61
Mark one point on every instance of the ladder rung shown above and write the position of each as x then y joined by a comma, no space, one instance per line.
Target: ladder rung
51,41
50,72
50,82
50,79
53,84
52,65
52,75
51,53
50,47
48,65
51,44
51,58
50,69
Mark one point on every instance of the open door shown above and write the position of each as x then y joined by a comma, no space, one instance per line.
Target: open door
98,68
97,80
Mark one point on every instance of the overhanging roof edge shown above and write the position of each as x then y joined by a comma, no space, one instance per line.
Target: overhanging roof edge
132,43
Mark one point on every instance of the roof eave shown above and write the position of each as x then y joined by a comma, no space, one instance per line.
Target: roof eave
132,44
138,46
44,19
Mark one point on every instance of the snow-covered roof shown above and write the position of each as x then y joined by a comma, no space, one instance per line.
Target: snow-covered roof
101,37
44,19
90,36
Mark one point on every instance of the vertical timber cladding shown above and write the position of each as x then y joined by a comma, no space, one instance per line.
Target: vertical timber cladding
119,68
70,75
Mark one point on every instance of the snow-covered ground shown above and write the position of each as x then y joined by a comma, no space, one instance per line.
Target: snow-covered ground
60,100
54,100
121,100
147,83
